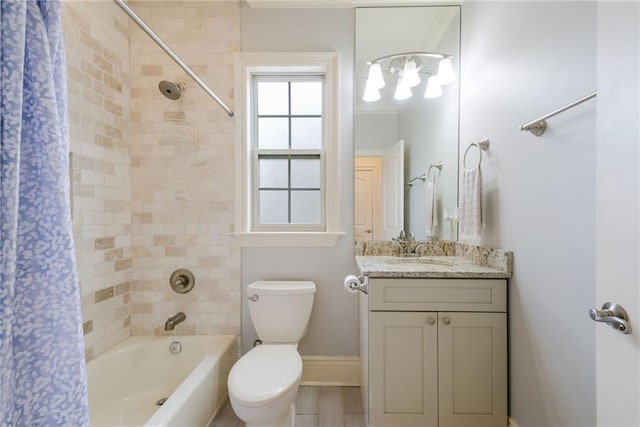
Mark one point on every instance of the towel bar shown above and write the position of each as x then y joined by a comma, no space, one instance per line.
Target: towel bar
424,176
483,145
539,125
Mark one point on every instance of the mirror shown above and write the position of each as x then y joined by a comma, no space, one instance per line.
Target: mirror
398,141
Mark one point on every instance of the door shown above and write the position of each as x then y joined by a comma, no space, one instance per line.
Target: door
403,369
617,211
393,191
367,209
472,354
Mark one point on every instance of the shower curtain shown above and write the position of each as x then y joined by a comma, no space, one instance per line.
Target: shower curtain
42,369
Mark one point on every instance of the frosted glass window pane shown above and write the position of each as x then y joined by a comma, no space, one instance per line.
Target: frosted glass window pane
306,98
273,98
305,173
273,173
273,133
306,132
305,207
273,206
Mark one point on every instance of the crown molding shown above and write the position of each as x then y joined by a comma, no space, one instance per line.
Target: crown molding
299,4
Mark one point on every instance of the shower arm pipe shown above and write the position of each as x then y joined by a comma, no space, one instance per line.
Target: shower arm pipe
134,16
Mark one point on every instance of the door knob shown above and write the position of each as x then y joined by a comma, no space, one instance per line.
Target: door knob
614,315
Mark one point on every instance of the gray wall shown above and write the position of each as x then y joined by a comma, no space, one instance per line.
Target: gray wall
376,131
430,132
333,328
519,61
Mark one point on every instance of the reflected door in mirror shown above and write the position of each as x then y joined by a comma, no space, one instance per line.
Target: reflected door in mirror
367,206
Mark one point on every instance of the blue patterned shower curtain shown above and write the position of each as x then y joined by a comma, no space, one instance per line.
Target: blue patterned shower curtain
42,370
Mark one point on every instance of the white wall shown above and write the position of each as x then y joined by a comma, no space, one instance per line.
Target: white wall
333,328
521,60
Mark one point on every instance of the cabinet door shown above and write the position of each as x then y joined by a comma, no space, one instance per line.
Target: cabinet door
472,349
403,369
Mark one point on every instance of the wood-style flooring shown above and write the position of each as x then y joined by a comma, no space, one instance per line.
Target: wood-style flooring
315,407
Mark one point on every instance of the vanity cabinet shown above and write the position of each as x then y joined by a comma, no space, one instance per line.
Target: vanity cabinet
436,352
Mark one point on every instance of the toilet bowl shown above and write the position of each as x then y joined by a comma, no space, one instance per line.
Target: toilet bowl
263,383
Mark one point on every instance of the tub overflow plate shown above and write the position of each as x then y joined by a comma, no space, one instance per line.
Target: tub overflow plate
175,347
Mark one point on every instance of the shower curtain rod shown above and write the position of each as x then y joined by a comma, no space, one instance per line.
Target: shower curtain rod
134,16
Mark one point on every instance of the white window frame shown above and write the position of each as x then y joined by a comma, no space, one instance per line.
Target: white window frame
294,63
257,152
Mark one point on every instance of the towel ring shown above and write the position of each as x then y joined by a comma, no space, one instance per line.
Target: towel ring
434,166
483,145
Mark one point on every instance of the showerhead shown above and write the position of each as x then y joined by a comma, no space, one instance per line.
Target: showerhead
171,90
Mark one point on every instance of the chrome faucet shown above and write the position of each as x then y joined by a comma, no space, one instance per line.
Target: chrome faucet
174,320
406,242
408,245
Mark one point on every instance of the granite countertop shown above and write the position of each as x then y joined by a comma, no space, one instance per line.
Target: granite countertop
437,259
461,268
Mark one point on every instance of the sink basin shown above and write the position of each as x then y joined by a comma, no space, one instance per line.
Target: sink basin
420,261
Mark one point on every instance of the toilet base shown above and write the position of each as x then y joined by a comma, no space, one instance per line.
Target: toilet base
287,420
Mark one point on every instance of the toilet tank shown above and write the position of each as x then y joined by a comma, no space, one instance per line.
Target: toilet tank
280,310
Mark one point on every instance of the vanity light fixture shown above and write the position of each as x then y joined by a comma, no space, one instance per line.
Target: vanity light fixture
407,67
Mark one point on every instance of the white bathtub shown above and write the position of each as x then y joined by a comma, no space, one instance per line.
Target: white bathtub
126,382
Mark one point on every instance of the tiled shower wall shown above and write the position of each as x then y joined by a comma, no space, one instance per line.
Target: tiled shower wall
153,179
97,53
182,167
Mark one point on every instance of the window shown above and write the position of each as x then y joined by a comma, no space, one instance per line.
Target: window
288,152
287,157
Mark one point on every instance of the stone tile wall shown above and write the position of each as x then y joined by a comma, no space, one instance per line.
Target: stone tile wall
182,166
153,179
97,53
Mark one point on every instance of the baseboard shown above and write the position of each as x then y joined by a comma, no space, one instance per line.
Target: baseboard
330,370
512,423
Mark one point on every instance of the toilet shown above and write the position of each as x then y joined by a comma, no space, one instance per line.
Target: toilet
264,382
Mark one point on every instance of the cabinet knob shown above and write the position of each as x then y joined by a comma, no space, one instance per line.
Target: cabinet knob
431,321
446,321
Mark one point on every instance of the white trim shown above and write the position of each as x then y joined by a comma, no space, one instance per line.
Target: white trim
245,64
370,152
512,422
346,3
330,370
287,239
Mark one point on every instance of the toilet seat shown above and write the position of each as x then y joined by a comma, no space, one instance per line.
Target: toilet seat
265,374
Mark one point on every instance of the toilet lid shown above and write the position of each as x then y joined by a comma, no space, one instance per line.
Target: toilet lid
264,374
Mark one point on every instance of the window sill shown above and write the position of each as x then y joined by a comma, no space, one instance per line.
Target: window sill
287,239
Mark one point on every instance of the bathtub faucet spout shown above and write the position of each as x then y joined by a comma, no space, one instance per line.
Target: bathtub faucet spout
174,320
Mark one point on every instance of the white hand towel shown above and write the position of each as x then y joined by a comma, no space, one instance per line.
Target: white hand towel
472,207
431,211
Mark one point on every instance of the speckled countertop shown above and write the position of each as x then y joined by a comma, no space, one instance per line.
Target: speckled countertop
441,259
385,266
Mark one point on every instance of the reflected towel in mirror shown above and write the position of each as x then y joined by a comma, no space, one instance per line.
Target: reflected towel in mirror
431,206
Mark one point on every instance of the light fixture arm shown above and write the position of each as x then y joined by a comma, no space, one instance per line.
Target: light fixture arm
405,54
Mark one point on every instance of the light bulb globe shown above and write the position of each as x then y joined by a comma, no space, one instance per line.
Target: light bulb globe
410,74
402,91
446,73
375,78
434,90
